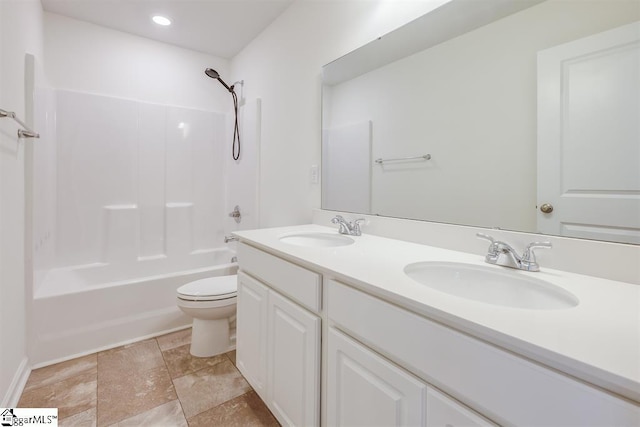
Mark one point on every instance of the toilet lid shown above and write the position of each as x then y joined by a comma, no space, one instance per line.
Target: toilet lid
211,288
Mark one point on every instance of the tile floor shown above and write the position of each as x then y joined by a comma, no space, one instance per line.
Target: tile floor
155,382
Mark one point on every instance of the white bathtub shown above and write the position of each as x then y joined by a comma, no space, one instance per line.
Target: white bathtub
93,307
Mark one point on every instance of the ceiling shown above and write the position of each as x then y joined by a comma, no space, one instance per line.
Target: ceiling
219,27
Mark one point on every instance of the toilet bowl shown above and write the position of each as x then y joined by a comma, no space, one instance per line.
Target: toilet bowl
211,302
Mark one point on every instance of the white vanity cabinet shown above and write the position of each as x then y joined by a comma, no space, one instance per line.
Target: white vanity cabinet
503,387
278,337
384,364
365,389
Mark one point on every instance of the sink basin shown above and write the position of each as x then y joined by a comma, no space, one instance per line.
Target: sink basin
317,240
491,285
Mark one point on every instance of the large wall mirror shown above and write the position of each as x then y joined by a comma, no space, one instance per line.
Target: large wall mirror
517,114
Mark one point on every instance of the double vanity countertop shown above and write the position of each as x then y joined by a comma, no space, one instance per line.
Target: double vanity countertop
597,341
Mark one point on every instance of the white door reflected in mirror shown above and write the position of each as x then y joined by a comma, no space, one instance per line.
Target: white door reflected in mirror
588,134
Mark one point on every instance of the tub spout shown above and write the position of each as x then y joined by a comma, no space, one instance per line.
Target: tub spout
228,239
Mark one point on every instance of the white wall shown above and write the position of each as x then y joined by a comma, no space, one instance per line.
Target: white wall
20,33
242,185
282,66
89,58
471,103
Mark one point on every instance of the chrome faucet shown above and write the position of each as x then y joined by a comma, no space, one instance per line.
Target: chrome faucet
351,228
500,253
230,238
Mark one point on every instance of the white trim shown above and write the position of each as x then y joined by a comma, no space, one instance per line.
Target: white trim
11,398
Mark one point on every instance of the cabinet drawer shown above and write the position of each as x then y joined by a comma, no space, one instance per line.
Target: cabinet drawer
298,283
498,384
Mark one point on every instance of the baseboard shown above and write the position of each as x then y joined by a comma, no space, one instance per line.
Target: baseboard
11,398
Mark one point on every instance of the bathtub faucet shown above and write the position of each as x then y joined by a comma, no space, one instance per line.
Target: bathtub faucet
228,239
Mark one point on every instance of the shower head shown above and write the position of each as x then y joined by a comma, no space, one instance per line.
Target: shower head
210,72
214,75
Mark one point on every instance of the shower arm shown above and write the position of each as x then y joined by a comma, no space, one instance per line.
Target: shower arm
229,88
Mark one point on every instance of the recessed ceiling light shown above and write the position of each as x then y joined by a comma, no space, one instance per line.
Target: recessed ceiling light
161,20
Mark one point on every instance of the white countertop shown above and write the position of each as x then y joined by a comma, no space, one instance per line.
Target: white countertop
597,341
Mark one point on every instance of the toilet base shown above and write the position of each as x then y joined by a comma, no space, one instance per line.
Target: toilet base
209,337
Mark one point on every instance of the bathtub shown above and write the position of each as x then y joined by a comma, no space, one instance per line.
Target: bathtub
83,309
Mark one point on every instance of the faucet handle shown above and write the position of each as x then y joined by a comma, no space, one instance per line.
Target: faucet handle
528,254
539,245
336,219
485,237
528,261
492,250
343,226
355,227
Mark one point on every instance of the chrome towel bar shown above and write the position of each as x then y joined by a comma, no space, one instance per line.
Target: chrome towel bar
402,159
22,133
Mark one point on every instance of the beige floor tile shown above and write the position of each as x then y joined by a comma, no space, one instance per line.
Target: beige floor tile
137,357
131,386
180,362
169,414
174,339
83,419
61,371
209,387
71,396
127,392
232,356
243,411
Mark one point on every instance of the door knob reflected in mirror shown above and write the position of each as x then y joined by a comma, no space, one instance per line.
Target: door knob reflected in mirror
546,208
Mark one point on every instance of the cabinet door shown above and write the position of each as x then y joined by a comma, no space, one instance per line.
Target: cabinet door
442,411
251,332
363,389
293,390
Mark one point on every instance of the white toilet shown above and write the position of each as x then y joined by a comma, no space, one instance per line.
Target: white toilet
212,304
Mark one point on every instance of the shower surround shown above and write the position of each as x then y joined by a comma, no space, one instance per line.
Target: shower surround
129,204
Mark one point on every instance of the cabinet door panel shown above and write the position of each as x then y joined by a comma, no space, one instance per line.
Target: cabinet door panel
251,332
443,411
366,390
294,362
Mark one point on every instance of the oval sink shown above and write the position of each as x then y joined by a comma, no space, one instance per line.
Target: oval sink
491,285
317,240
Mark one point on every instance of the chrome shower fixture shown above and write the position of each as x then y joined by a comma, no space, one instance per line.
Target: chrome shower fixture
215,75
236,132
